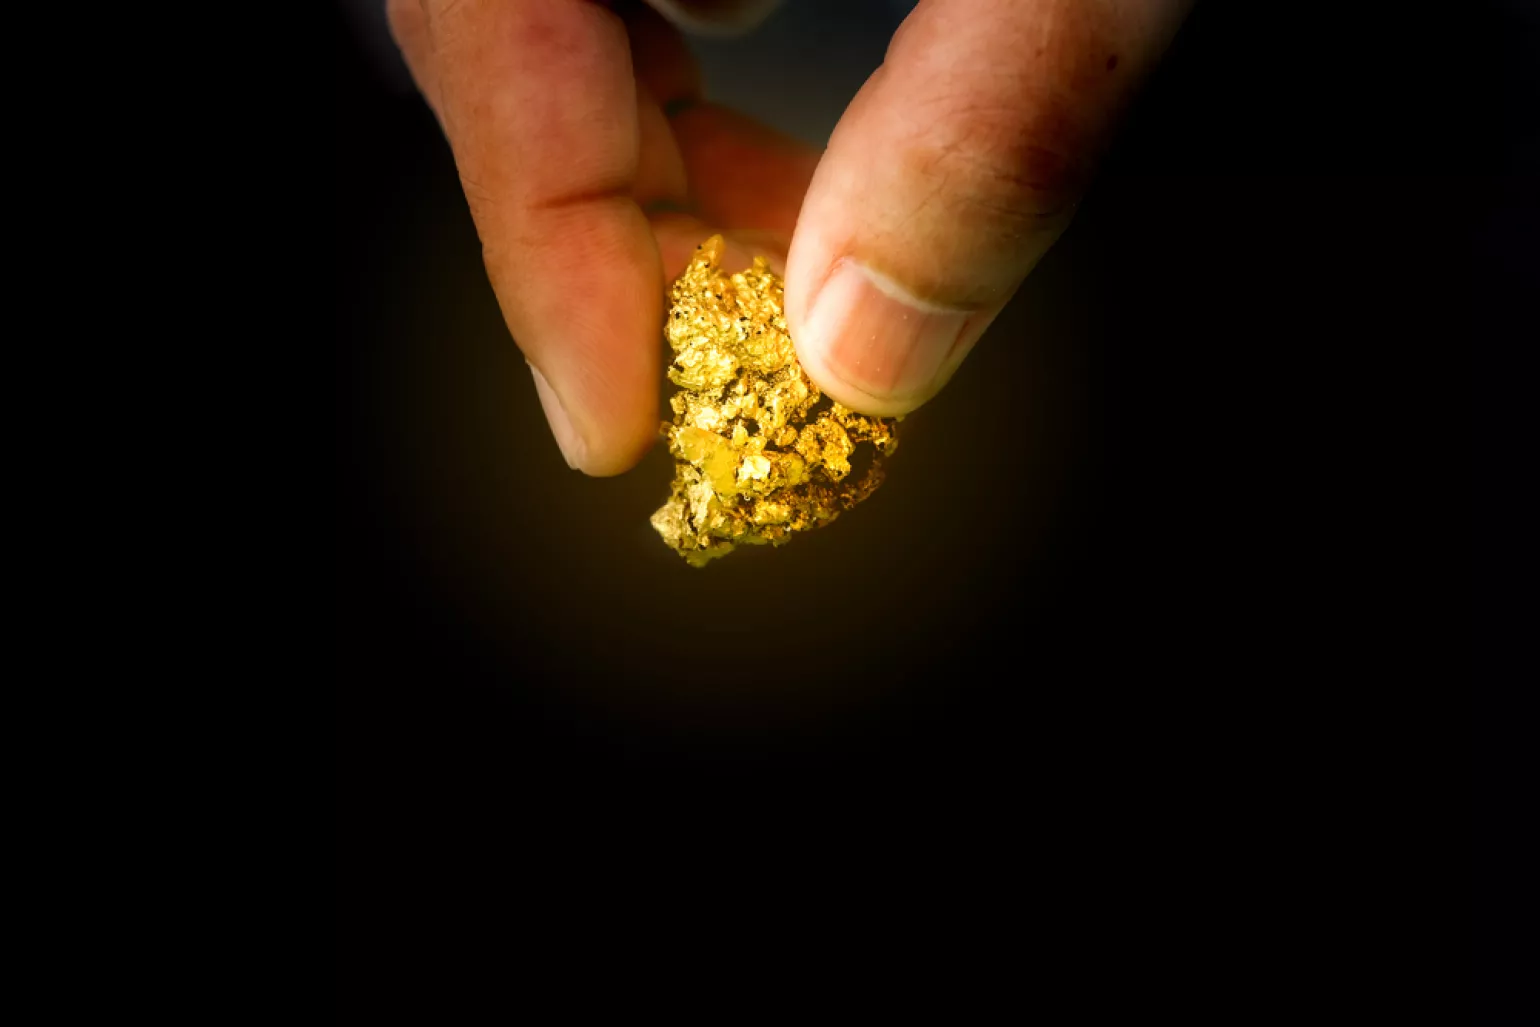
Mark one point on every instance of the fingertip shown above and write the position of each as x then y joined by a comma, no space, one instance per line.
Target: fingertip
874,346
615,454
585,306
949,176
833,385
595,434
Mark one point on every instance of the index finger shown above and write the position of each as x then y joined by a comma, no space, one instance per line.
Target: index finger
539,103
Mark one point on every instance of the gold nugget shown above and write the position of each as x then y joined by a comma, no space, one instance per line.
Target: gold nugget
759,453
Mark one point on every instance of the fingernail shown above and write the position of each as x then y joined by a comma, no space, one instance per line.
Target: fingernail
873,335
567,437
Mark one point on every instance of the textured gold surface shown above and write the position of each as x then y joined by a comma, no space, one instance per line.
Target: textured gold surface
759,453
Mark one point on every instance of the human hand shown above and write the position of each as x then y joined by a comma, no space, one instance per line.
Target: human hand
593,168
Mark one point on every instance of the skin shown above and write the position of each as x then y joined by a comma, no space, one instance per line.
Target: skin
593,167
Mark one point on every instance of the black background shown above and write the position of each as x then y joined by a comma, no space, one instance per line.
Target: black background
1164,607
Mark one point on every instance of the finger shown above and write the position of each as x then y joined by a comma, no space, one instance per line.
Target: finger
409,26
660,172
660,57
952,172
540,107
743,174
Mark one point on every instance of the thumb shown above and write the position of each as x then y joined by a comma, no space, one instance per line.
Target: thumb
952,172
